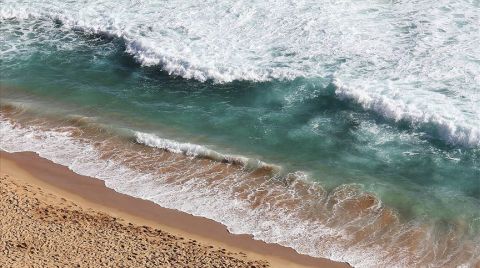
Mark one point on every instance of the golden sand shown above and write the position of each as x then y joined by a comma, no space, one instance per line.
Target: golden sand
42,225
40,229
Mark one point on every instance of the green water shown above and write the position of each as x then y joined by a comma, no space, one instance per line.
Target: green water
298,124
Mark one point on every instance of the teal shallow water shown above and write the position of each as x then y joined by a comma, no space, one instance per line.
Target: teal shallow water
300,124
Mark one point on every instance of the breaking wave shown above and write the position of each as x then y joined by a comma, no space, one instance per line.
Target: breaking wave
201,151
408,61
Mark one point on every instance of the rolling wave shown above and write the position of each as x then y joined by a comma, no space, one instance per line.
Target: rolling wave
408,61
201,151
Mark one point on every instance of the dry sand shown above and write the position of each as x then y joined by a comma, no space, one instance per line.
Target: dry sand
50,216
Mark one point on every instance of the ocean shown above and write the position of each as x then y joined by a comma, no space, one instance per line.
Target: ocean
343,129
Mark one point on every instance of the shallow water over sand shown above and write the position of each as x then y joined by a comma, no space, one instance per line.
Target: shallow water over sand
343,223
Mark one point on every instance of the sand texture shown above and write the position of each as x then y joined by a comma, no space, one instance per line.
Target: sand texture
53,217
39,229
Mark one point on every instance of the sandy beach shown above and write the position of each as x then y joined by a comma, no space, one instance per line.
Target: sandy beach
52,216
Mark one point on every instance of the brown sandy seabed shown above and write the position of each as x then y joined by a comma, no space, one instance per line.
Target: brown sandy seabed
43,225
402,243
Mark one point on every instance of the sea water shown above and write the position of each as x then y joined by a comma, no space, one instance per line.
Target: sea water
343,129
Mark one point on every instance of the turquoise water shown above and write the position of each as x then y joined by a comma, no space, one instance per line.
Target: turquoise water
302,124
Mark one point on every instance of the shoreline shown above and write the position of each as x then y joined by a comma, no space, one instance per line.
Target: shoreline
91,193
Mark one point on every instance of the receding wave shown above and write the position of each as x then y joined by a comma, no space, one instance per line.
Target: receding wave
345,224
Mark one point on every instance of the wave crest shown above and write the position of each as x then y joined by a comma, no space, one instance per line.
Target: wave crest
200,151
417,63
451,130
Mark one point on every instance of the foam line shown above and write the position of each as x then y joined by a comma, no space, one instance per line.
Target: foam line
201,151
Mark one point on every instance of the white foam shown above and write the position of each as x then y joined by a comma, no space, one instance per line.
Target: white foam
266,222
201,151
407,60
454,129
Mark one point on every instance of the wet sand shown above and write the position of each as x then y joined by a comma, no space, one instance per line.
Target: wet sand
53,216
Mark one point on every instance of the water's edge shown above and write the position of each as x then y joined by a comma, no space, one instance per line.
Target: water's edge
348,225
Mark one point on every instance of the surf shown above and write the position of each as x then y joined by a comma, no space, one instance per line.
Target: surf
346,223
371,53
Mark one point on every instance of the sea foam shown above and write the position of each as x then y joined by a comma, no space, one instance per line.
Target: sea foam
201,151
273,212
404,43
406,60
